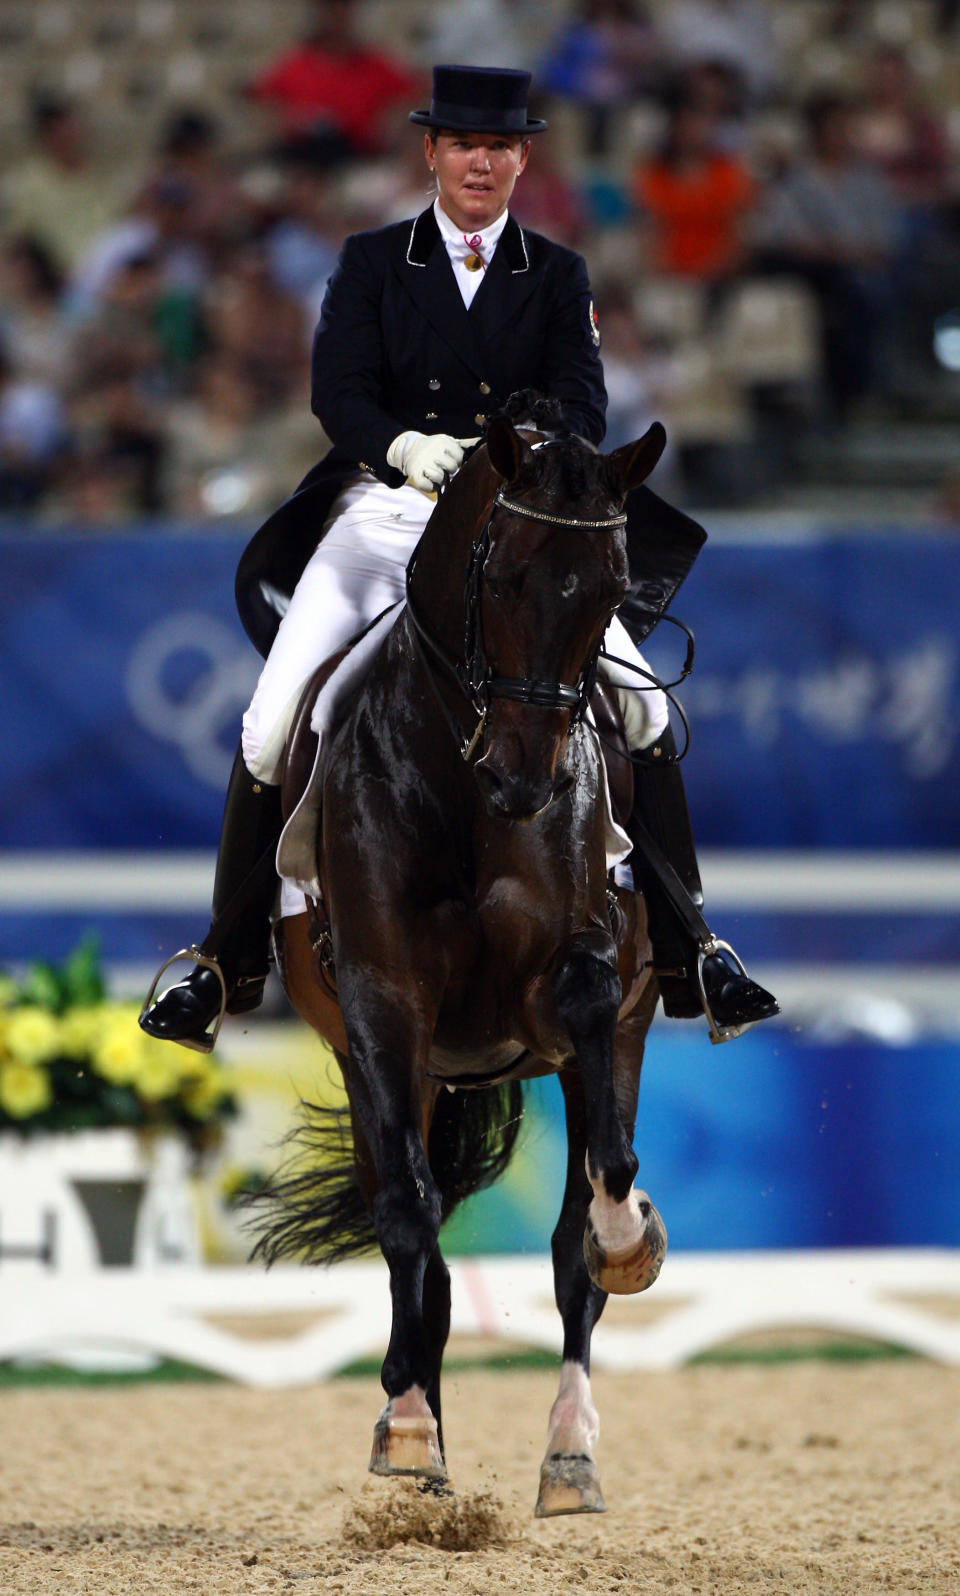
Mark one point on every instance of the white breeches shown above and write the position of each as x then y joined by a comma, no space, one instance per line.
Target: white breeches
359,569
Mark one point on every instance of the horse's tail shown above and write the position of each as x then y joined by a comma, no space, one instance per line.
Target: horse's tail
473,1138
313,1208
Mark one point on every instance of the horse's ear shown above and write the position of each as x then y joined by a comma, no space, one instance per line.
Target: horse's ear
633,463
505,447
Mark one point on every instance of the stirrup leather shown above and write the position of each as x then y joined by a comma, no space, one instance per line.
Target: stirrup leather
197,955
706,950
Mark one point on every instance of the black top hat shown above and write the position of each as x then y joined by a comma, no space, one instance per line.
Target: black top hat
479,100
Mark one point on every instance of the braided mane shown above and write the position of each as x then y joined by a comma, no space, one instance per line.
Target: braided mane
570,473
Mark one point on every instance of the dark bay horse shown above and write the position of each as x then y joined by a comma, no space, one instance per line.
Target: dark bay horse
475,938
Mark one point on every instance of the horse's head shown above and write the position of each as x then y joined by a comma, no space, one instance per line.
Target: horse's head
547,573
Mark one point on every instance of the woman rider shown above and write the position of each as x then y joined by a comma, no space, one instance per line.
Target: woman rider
426,328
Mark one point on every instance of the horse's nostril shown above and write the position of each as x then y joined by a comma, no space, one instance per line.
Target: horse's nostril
488,780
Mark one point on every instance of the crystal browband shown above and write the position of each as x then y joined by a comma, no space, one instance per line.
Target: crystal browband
556,520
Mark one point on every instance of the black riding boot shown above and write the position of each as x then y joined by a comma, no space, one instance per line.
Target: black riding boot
660,816
252,822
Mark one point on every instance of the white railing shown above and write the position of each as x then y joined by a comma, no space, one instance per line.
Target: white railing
219,1319
180,881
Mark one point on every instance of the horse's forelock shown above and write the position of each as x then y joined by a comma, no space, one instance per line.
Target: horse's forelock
568,470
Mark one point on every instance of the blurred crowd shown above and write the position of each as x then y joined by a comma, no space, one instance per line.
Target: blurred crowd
758,241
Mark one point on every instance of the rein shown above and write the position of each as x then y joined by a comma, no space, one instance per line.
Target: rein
473,673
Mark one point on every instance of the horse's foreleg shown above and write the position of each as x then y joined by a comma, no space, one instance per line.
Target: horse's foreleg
569,1482
624,1238
386,1097
406,1213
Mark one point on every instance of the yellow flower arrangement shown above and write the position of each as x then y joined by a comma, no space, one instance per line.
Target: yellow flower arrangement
25,1089
70,1059
31,1035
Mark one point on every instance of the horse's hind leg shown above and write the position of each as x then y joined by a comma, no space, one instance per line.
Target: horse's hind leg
569,1482
436,1318
624,1237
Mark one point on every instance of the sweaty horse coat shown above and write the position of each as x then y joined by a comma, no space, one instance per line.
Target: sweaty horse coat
473,932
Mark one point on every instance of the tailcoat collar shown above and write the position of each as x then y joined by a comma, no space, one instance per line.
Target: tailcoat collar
425,234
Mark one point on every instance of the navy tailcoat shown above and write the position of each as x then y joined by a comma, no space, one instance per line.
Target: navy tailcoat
396,349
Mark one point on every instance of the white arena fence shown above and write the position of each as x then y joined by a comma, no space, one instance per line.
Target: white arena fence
226,1320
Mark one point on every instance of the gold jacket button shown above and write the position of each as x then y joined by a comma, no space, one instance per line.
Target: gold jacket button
363,465
479,419
484,387
431,415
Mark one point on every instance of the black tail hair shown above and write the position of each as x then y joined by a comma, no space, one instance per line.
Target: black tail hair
313,1209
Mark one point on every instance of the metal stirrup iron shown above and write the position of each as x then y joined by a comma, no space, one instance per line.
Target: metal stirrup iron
206,962
705,950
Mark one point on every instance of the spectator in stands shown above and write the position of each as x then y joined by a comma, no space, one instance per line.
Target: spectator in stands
831,219
118,445
95,489
474,30
332,81
373,193
635,375
550,203
156,225
55,193
906,141
31,317
694,200
602,59
737,32
263,328
717,89
225,458
302,238
125,366
191,162
32,438
141,328
842,20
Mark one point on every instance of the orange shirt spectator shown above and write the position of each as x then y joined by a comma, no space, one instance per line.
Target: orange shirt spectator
694,199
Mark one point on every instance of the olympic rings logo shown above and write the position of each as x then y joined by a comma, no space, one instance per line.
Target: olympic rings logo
188,682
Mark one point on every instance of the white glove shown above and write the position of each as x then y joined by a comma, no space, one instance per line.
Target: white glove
425,460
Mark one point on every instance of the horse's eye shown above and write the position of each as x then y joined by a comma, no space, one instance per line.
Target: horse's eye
569,585
493,587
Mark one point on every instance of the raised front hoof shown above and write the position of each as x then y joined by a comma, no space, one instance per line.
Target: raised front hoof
569,1484
407,1446
633,1268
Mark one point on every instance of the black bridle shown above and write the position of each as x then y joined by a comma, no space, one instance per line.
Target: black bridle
473,673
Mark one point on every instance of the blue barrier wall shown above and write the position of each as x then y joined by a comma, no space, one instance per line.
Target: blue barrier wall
824,702
125,673
775,1140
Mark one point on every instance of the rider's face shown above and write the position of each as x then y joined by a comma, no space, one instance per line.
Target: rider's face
475,174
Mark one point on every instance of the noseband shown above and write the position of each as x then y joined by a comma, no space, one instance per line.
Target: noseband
473,673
